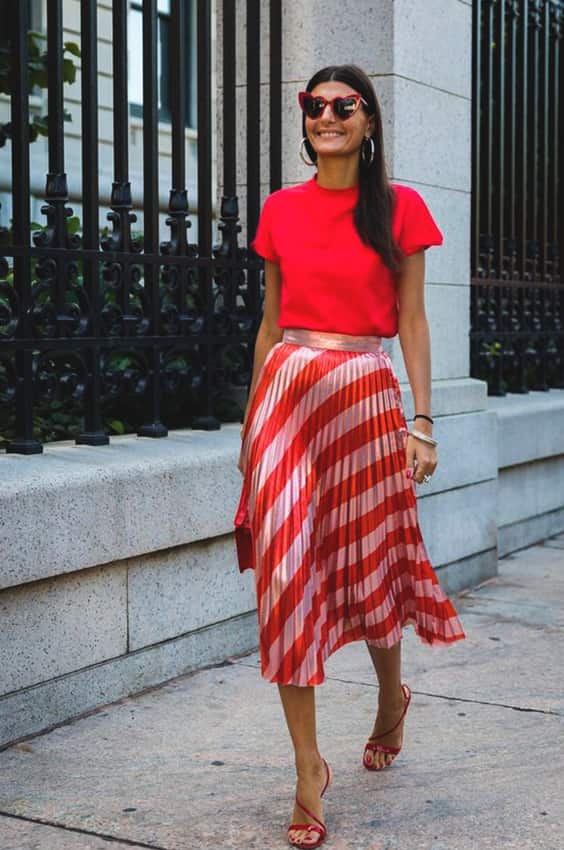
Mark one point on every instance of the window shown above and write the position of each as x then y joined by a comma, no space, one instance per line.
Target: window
36,24
135,49
36,15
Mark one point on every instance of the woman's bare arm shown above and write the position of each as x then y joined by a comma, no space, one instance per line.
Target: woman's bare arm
416,348
414,330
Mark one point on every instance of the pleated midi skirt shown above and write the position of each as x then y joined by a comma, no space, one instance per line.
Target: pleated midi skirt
327,517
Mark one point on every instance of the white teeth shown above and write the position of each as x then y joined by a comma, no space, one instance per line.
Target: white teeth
330,133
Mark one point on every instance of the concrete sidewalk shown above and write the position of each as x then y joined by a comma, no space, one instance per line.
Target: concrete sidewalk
205,760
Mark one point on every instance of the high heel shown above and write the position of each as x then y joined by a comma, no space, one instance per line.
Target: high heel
374,748
318,826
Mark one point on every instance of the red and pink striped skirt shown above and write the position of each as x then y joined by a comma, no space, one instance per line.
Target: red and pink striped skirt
327,517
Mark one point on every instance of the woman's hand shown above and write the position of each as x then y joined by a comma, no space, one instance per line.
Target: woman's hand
421,457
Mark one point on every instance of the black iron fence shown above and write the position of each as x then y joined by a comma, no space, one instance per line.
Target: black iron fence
163,330
517,296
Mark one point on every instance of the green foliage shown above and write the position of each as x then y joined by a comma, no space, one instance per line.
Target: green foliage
37,78
56,421
492,349
118,426
492,352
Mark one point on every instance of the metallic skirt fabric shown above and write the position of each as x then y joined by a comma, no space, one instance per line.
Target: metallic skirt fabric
327,518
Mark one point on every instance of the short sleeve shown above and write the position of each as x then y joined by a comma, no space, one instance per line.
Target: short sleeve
263,242
418,228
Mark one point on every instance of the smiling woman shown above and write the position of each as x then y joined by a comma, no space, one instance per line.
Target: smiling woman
327,517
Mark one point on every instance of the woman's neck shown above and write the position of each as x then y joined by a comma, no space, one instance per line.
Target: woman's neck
336,173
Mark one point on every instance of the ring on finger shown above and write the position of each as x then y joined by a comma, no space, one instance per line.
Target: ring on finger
425,480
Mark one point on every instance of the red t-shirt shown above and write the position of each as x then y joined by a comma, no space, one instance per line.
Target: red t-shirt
330,279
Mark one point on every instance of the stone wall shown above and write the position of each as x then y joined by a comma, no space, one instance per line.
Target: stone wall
118,568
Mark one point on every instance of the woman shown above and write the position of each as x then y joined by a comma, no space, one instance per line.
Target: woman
327,516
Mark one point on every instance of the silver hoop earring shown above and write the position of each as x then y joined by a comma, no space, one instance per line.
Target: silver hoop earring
363,149
307,162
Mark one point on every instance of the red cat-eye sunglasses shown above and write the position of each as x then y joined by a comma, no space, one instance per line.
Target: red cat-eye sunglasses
343,106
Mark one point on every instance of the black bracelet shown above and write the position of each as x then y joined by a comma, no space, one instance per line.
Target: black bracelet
423,416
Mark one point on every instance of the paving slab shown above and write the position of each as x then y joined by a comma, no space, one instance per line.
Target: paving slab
18,834
205,760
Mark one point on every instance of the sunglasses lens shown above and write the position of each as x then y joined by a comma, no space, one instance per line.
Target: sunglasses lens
344,107
312,106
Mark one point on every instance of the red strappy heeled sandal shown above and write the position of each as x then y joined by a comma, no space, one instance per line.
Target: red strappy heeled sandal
318,826
382,748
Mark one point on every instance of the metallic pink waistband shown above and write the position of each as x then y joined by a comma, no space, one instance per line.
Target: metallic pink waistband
330,339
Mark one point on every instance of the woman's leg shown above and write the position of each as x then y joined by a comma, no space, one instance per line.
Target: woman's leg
391,699
299,709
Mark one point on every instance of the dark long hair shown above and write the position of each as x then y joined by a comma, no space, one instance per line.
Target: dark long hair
376,198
